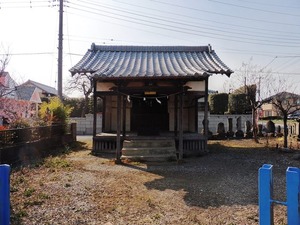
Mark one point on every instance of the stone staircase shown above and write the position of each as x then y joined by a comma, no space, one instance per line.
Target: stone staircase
149,150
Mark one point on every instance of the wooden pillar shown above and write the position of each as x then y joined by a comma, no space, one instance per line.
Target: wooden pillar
95,111
206,108
196,115
118,146
124,117
175,115
180,145
103,112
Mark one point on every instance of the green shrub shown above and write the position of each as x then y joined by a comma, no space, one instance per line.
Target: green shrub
55,111
19,123
238,104
78,106
218,103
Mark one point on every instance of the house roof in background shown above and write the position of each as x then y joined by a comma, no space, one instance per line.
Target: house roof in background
28,93
282,95
3,79
6,80
43,87
150,62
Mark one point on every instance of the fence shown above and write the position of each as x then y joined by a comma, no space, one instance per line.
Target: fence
266,201
19,146
31,134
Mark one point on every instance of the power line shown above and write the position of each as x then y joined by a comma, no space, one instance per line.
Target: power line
17,2
75,54
265,30
131,27
25,4
256,9
168,20
29,53
268,4
268,63
278,73
287,64
255,52
38,53
289,56
223,14
174,28
23,7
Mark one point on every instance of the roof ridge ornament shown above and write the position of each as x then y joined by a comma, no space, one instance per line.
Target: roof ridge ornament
93,46
209,48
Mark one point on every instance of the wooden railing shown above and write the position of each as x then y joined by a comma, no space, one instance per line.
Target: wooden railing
193,144
30,134
24,146
104,144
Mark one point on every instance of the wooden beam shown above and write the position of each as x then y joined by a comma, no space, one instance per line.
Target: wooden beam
95,113
206,108
175,115
196,115
180,145
103,113
125,80
118,147
124,117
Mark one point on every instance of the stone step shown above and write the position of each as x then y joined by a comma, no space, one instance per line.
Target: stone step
153,158
148,143
149,150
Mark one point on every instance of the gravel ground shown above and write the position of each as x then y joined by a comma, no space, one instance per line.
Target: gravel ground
218,188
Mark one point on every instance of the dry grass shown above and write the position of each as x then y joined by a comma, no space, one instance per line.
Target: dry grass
219,188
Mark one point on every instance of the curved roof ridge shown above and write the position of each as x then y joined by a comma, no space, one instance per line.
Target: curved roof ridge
170,61
143,48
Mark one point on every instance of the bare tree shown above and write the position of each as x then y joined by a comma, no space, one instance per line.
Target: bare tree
82,83
4,59
284,102
250,80
5,88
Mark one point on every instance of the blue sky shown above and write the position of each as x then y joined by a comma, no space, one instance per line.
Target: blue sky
268,32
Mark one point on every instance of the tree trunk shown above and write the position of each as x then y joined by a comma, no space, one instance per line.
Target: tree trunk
86,102
285,131
254,125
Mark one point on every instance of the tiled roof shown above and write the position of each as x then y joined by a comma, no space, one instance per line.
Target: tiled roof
43,87
26,93
150,61
281,95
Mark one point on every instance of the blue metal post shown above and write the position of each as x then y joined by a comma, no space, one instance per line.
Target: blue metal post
265,194
293,190
4,194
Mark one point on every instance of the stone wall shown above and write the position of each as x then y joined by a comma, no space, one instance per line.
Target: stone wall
213,121
85,124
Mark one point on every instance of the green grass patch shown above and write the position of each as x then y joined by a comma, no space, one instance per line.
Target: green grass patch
28,192
57,163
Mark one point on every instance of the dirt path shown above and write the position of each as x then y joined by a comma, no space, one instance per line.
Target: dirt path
219,188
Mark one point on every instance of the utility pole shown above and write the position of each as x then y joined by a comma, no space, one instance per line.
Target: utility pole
60,49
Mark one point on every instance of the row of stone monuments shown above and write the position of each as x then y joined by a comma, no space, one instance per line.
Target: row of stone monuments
247,132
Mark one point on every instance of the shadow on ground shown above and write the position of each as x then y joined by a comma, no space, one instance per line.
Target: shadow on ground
226,176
